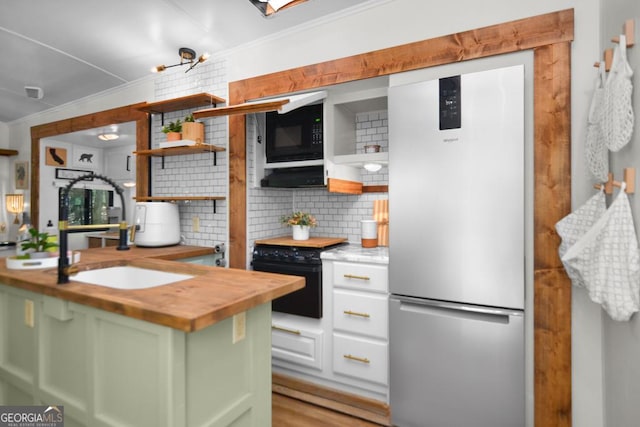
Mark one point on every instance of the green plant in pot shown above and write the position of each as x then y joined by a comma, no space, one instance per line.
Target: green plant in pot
173,130
40,243
300,222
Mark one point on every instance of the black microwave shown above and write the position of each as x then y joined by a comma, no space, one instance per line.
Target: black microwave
294,136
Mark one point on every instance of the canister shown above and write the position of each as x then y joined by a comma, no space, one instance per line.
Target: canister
369,236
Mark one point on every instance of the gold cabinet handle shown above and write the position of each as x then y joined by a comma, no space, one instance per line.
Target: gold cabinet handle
353,276
289,331
355,313
357,359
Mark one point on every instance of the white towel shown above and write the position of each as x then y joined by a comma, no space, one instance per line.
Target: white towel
575,225
607,260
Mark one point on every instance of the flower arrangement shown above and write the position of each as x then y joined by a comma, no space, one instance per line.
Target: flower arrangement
299,218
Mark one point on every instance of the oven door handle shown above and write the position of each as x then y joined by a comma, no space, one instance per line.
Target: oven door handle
285,268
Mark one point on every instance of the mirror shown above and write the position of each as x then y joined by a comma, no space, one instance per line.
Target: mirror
128,117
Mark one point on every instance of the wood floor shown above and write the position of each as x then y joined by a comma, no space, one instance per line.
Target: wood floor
298,403
290,412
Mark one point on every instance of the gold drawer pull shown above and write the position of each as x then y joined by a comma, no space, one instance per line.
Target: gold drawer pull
289,331
357,359
353,276
355,313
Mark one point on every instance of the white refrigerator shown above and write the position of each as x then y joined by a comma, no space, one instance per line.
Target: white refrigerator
456,250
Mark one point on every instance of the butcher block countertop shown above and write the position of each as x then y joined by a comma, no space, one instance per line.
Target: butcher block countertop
214,293
311,242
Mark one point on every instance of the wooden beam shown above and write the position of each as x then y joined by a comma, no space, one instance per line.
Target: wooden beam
552,195
519,35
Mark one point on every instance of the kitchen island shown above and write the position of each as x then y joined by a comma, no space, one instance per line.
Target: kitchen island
194,352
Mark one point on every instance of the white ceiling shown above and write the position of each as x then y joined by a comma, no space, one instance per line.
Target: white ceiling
76,48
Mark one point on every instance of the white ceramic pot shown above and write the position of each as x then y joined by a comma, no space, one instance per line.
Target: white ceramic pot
300,232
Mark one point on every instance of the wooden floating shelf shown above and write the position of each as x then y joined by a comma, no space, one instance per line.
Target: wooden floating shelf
176,198
5,152
182,103
177,151
247,108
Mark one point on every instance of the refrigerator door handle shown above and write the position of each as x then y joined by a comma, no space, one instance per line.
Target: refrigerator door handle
442,308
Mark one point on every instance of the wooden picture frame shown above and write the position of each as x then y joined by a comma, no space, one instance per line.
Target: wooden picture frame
55,156
21,175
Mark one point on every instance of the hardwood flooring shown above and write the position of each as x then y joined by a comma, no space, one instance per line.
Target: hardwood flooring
298,403
290,412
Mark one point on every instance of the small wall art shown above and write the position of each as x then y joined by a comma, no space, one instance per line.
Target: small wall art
55,156
86,157
22,175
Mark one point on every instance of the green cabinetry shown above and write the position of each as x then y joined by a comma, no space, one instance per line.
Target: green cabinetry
111,370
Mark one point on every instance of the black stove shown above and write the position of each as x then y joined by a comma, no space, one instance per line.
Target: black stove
296,261
295,255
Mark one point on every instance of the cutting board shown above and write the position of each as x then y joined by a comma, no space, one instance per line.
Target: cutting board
381,215
312,242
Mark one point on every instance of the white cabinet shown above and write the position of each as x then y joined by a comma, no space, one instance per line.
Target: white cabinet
361,324
348,348
120,165
355,116
297,343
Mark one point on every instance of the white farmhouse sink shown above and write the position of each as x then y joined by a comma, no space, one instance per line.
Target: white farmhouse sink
126,277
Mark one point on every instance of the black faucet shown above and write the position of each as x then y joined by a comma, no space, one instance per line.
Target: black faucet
64,227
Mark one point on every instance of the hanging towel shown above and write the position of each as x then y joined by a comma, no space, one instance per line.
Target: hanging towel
596,150
607,260
617,119
575,225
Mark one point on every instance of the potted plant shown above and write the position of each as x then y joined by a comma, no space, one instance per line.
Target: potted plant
192,130
300,222
39,243
173,130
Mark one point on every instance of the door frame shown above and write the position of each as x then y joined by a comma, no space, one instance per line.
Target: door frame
549,36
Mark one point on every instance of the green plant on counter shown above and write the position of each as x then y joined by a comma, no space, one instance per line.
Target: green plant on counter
299,218
39,242
189,119
173,127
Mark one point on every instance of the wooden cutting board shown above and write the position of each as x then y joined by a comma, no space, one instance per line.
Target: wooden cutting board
381,215
312,242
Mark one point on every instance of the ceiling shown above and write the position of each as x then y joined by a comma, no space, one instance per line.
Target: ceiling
77,48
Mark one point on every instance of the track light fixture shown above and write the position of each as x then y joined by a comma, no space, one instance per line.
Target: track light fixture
187,57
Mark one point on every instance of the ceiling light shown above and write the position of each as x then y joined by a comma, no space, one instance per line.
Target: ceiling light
187,57
373,167
108,136
269,7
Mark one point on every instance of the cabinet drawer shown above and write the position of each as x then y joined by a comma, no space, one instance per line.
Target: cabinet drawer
361,276
361,358
296,345
366,314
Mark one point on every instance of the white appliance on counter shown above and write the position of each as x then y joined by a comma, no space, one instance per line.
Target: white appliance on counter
157,224
456,252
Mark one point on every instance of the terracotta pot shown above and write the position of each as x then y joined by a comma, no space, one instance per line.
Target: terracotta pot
174,136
